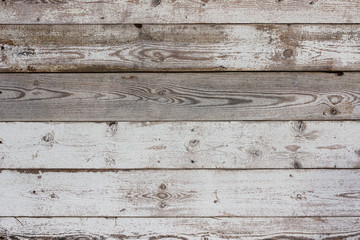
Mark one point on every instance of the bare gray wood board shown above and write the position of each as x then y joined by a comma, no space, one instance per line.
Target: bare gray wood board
166,11
176,145
185,96
181,193
104,48
181,228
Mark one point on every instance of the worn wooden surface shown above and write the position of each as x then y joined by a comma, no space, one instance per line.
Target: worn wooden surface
162,163
156,193
101,48
179,96
181,228
181,11
177,145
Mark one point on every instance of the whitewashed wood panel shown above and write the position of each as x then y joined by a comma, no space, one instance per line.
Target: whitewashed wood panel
103,48
178,193
181,228
175,145
180,11
180,96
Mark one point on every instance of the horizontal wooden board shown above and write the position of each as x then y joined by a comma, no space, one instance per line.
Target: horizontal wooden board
177,145
155,193
181,228
179,96
166,11
100,48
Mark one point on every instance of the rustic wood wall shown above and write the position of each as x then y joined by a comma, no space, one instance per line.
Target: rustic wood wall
180,119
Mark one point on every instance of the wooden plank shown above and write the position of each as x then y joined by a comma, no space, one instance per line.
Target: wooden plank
185,96
180,228
196,11
123,145
99,48
156,193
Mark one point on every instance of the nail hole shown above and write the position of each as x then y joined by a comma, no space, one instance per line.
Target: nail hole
138,25
162,186
2,47
38,19
333,111
340,74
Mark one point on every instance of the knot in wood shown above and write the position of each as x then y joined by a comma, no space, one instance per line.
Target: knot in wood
162,195
49,137
288,53
161,92
194,143
156,2
299,126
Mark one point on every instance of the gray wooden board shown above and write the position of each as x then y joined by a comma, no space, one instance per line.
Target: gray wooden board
179,96
176,145
103,48
181,193
345,228
181,11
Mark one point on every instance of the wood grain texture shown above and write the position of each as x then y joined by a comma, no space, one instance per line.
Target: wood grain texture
104,48
180,11
181,228
179,96
155,193
177,145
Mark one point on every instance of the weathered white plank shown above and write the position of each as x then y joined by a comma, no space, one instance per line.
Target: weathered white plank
180,193
181,11
103,48
181,228
126,145
185,96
